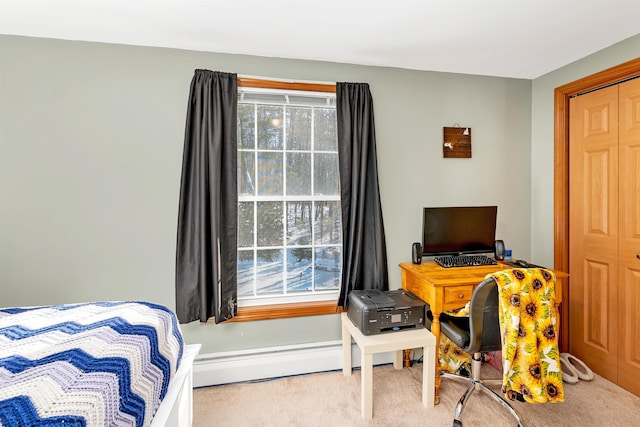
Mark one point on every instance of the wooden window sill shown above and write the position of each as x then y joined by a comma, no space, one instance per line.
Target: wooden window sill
284,311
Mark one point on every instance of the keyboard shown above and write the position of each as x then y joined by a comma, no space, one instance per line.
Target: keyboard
464,260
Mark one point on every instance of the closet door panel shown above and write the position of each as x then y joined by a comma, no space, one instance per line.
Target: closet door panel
629,353
597,322
629,239
593,237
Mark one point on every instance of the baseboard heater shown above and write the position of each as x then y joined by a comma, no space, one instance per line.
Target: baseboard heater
272,362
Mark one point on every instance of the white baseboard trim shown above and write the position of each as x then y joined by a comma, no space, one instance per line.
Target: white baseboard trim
271,362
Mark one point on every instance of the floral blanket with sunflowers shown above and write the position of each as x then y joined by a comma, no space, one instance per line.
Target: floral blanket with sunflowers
530,354
451,358
528,318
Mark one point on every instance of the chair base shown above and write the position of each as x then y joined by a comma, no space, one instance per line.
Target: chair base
475,383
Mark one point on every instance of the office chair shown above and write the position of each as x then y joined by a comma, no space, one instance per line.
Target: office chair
476,334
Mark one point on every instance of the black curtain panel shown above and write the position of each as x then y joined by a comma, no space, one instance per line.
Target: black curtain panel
206,258
364,253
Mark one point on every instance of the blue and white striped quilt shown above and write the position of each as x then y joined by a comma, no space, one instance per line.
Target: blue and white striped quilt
94,364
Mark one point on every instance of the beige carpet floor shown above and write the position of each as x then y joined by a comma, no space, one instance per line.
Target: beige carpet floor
331,399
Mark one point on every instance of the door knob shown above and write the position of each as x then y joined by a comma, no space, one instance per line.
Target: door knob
638,256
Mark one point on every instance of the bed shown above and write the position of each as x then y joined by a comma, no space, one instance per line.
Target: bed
94,364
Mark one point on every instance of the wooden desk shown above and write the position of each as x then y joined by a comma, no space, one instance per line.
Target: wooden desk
450,288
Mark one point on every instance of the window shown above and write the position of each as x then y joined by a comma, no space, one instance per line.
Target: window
289,216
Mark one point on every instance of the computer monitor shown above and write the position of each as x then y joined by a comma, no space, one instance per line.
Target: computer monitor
458,230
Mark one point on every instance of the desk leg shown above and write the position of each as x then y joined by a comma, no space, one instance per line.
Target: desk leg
407,357
563,314
346,350
563,345
367,386
435,330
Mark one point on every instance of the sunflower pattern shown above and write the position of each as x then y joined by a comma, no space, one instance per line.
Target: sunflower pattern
451,357
530,354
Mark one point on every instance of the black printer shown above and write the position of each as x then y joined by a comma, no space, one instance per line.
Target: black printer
374,311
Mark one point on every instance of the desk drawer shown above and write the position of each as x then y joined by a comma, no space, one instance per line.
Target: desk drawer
457,295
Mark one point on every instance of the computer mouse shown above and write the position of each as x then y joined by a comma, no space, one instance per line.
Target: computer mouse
521,263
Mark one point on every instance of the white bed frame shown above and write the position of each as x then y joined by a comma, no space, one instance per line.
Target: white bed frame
176,410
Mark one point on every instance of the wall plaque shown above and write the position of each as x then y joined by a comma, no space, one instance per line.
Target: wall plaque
456,142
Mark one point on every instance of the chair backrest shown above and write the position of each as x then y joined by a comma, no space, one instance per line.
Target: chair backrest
484,318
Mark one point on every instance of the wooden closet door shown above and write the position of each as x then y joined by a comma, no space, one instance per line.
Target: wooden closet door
629,239
593,235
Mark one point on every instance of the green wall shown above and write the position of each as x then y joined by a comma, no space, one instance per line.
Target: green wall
91,142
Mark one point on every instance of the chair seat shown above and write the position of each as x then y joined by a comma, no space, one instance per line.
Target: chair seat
456,329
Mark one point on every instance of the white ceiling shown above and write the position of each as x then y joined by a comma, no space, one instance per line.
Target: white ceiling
507,38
